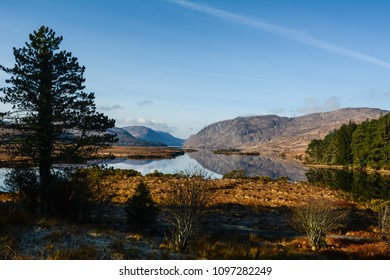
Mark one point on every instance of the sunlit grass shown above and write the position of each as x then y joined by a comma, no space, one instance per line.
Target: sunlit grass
241,210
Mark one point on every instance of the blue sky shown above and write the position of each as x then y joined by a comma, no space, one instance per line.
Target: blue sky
178,66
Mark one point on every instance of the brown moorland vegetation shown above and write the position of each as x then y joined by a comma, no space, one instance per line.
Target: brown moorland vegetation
137,152
131,152
245,219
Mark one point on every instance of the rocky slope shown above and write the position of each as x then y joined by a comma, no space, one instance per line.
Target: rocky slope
274,134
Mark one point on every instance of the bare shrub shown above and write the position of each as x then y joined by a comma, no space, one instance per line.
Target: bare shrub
384,219
185,204
316,218
382,208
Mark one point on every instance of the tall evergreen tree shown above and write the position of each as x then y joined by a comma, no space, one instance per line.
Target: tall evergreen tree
314,150
343,143
360,145
363,145
52,118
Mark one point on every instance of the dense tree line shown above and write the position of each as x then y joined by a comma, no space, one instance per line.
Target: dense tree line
366,145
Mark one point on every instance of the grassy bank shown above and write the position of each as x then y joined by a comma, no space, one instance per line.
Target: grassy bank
349,168
130,152
135,152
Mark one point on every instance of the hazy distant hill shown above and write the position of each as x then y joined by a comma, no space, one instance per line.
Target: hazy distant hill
274,133
155,136
126,139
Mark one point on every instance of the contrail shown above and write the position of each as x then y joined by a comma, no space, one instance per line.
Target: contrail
281,31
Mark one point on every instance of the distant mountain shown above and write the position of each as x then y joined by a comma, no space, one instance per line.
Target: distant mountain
276,134
154,136
126,139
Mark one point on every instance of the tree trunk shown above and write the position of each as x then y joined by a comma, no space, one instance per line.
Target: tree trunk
45,132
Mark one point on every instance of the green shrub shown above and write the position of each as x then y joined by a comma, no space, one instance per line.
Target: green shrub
71,194
283,179
235,174
141,210
264,179
155,173
23,184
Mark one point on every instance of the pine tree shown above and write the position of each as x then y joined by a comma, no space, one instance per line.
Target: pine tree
141,210
52,118
360,144
343,143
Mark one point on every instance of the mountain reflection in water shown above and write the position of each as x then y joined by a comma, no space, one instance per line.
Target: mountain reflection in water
361,185
166,166
218,165
252,165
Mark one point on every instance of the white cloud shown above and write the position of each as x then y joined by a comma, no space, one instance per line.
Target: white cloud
281,31
111,108
151,123
313,105
144,103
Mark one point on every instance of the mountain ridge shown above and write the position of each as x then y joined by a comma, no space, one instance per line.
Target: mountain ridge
272,133
125,138
153,137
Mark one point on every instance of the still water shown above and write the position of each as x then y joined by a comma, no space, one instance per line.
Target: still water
166,166
360,185
217,165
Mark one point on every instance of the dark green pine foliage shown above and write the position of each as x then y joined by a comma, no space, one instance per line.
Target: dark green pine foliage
141,210
52,118
330,148
366,145
343,143
335,148
375,144
361,144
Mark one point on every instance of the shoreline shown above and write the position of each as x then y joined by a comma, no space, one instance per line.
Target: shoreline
348,168
139,152
130,152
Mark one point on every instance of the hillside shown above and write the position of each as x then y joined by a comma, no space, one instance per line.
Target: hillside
275,134
154,136
125,138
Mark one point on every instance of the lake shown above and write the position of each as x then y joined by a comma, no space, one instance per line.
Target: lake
215,165
166,166
361,185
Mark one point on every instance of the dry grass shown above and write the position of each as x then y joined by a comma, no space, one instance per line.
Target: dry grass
133,152
247,219
141,152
